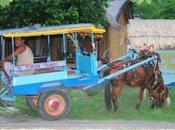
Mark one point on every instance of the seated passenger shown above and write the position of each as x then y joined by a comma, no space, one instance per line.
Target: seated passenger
24,57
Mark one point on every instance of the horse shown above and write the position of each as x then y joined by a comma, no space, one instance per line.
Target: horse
147,76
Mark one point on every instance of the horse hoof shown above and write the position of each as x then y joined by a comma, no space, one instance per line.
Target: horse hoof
152,106
108,109
116,109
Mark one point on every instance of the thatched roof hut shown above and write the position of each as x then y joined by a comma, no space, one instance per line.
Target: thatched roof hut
160,33
117,13
115,9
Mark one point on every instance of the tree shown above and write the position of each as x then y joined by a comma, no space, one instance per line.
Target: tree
4,2
156,10
50,12
148,1
167,10
147,11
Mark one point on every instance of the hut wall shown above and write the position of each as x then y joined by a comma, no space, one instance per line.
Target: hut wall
117,41
117,38
160,33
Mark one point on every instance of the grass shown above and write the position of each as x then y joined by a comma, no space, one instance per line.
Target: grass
93,108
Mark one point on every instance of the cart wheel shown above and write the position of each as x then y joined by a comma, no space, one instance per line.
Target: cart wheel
54,105
32,102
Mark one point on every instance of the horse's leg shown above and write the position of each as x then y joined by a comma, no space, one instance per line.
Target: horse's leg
140,98
108,95
116,92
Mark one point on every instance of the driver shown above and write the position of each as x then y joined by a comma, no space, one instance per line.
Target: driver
24,56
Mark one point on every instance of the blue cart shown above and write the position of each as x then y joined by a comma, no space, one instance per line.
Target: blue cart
45,88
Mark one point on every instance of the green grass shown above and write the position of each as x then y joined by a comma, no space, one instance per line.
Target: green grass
93,108
84,107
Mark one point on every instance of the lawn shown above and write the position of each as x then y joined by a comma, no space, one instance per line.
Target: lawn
93,108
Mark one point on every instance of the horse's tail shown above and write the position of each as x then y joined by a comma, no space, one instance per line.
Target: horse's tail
107,91
108,95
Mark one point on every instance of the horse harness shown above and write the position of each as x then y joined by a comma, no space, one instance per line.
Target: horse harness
125,64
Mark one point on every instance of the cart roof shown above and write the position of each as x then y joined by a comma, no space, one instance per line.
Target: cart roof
49,30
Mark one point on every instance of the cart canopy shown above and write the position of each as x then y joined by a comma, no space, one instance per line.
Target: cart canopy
50,30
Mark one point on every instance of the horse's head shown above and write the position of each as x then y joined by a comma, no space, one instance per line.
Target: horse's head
160,92
105,58
160,96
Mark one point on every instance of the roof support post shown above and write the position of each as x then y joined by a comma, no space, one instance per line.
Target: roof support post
13,60
92,41
64,45
76,40
48,43
2,49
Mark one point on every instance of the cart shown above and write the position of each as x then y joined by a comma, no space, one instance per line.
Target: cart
45,89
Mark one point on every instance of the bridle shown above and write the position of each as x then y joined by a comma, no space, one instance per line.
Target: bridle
158,85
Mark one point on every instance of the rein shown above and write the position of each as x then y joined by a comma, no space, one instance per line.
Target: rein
111,65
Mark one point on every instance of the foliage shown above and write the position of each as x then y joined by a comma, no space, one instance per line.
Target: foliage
147,11
156,10
167,10
4,2
148,1
50,12
140,1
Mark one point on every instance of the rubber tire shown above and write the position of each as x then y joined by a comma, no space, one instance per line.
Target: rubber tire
42,102
31,103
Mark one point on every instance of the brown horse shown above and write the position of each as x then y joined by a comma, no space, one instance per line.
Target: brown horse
147,76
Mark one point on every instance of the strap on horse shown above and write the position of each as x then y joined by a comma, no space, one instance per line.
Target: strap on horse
111,65
158,79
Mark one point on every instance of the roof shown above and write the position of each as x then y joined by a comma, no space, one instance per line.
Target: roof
49,30
160,33
114,10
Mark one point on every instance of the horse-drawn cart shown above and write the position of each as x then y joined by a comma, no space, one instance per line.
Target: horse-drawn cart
44,89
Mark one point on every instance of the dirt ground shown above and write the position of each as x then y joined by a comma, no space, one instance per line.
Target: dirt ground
24,122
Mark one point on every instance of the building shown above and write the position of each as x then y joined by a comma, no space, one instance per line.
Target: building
118,13
160,33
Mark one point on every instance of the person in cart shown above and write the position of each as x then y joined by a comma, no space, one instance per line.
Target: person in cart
24,57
